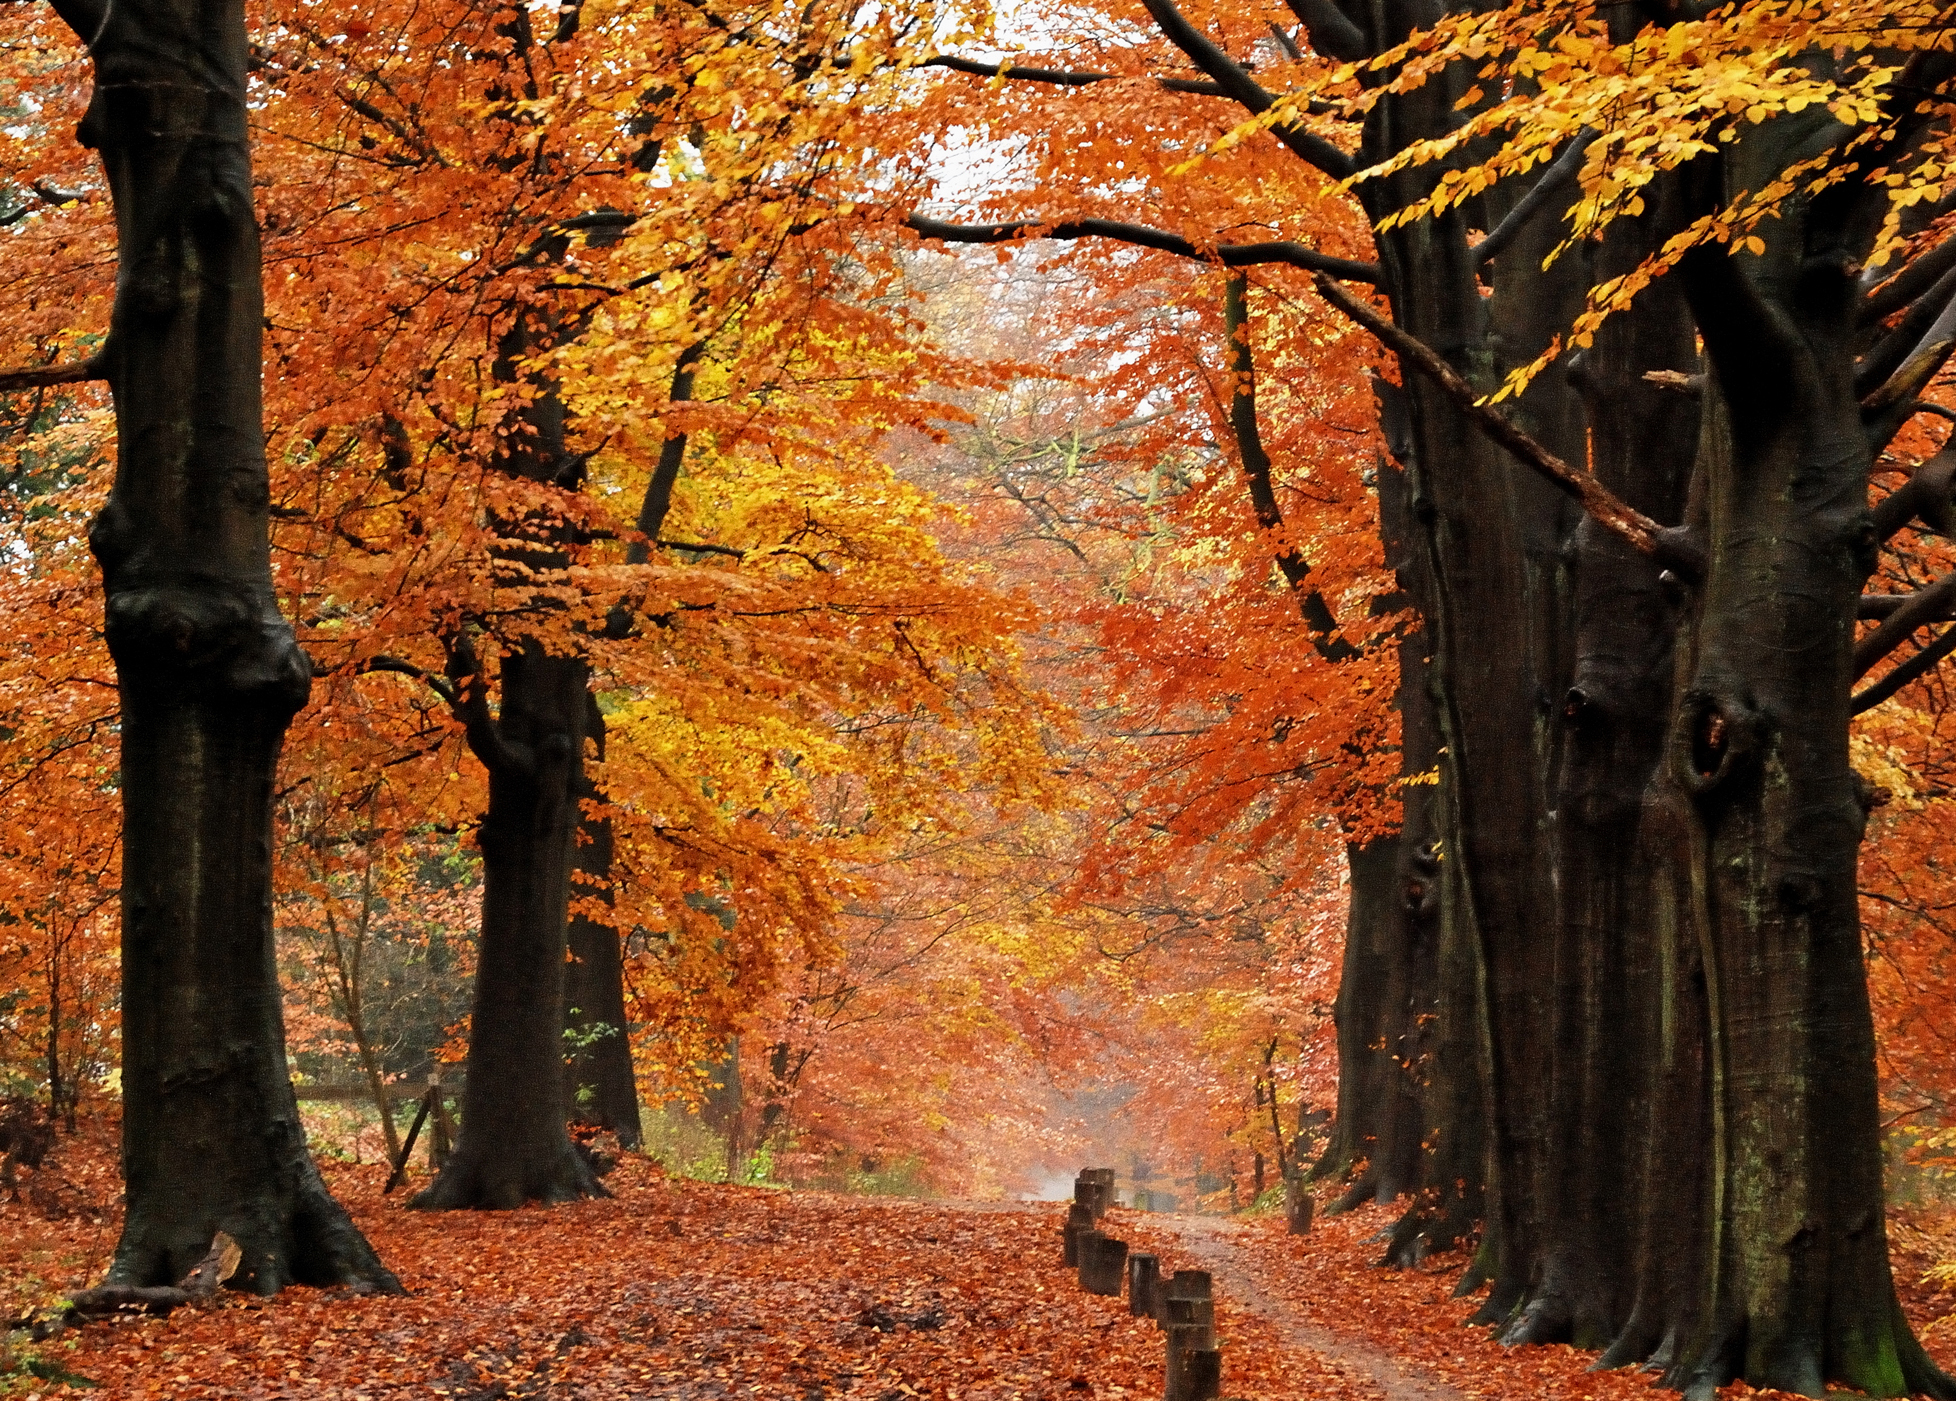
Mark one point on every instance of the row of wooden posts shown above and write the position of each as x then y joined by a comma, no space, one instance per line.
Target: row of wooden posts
1182,1304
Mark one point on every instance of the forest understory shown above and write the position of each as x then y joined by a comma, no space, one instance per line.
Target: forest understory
692,1291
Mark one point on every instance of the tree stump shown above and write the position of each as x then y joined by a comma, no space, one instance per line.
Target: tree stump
1143,1284
1103,1262
1297,1205
1078,1219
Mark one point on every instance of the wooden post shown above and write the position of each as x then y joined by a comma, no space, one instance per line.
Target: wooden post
420,1117
1188,1324
441,1142
1297,1205
1143,1283
1202,1369
1186,1285
1078,1219
1100,1188
1103,1262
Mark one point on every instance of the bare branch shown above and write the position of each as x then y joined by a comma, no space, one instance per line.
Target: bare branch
1254,460
1888,354
1060,77
1923,607
1237,83
1331,32
88,371
1602,504
440,685
1559,174
1916,667
1230,255
1910,283
1924,496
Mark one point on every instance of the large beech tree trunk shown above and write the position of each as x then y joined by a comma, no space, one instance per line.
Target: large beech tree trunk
513,1148
1762,815
602,1088
209,672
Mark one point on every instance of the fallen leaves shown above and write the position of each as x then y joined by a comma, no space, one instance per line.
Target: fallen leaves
677,1289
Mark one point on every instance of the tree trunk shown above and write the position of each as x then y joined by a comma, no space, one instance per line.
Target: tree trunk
209,672
1789,1283
603,1091
513,1148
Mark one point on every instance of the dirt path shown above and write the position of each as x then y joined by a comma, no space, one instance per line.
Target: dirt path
1207,1239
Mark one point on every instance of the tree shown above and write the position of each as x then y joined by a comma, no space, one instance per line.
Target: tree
207,669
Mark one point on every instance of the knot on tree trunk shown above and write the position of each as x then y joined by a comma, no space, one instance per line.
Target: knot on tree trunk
1716,738
204,636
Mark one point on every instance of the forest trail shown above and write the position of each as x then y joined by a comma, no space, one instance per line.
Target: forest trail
1212,1242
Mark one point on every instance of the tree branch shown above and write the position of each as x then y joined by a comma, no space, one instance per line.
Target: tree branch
1060,77
1230,255
479,727
1923,607
440,685
1883,605
1560,173
1603,505
1331,32
1236,83
1890,352
1924,496
1255,462
94,368
1916,667
1910,283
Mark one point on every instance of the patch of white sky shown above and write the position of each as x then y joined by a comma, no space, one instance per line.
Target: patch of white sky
970,164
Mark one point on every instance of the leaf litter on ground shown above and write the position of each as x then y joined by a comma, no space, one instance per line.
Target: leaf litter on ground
677,1290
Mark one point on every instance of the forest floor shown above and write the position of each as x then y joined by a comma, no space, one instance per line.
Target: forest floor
675,1290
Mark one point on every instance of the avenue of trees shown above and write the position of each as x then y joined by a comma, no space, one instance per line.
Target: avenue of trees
1457,488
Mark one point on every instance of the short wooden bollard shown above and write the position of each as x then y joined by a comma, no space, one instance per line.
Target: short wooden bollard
1143,1282
1078,1220
1201,1374
1188,1324
1093,1188
1103,1263
1297,1206
1183,1284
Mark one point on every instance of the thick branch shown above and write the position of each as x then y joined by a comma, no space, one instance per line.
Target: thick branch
1559,174
1060,77
1924,496
1230,255
479,727
440,685
1884,605
1255,462
1236,83
1910,283
1916,667
653,509
41,376
1923,607
1331,33
1603,505
1879,365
